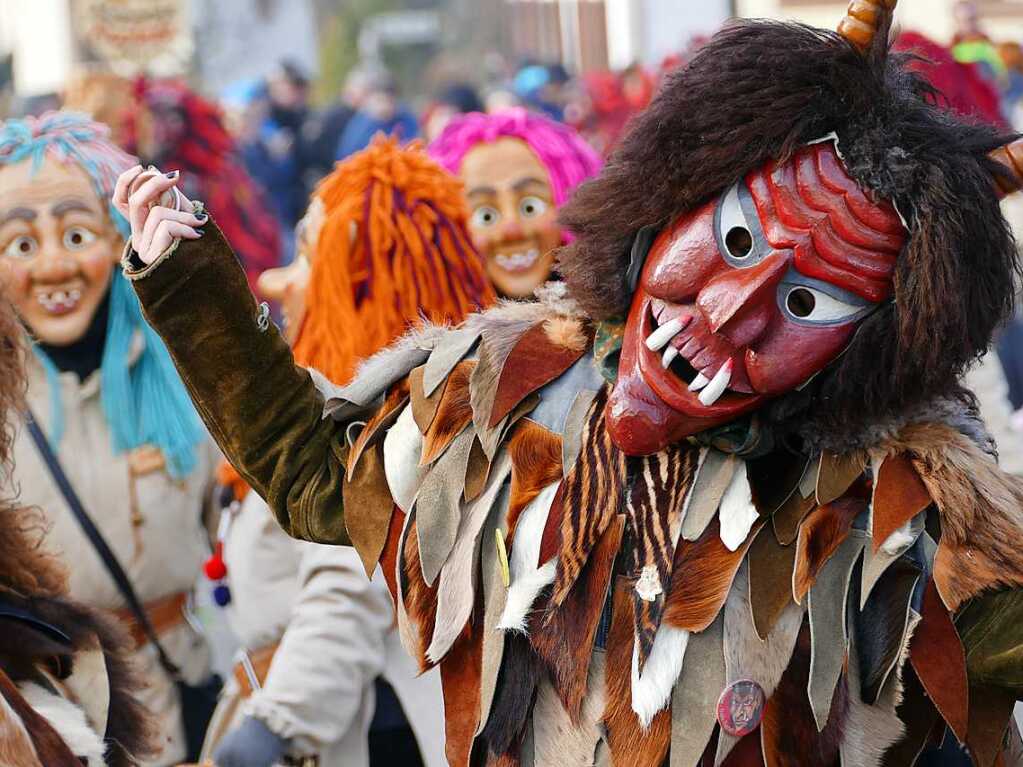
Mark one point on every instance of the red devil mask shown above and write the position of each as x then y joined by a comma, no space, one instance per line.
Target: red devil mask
749,297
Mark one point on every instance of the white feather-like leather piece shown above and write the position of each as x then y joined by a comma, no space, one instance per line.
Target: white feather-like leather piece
403,447
737,512
528,580
651,690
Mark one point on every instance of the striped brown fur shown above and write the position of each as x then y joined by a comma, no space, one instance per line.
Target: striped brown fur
655,505
594,494
565,642
628,742
454,413
703,573
536,463
420,599
820,535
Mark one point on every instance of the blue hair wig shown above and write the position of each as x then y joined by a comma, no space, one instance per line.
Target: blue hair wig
144,401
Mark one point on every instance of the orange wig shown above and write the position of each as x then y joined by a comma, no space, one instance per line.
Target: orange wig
392,249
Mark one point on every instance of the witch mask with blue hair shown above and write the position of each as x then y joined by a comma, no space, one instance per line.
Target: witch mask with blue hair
59,243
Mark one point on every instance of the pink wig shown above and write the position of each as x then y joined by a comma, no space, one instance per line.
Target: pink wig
568,158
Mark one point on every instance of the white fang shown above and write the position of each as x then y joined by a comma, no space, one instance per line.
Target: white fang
717,386
669,355
656,340
699,382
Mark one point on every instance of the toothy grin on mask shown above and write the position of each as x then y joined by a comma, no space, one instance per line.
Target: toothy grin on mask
517,262
699,358
59,301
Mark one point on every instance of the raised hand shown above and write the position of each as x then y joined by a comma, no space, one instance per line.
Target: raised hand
157,211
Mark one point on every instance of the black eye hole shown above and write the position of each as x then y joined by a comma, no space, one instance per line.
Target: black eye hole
739,242
800,302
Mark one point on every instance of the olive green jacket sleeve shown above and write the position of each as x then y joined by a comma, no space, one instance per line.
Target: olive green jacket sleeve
263,410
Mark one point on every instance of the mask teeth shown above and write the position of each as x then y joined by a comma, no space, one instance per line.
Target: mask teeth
660,337
713,391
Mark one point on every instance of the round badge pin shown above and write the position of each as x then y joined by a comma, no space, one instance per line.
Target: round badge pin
741,707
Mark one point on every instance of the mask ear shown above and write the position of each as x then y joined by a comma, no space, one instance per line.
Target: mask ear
641,245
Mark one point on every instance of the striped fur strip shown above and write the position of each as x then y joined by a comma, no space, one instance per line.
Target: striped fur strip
419,600
655,506
566,640
628,741
594,494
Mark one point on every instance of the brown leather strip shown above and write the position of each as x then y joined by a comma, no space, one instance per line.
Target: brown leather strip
836,474
452,415
940,663
770,579
899,495
259,661
164,614
368,506
534,361
990,712
424,409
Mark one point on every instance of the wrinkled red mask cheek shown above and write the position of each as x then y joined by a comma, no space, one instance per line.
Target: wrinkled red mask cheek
749,297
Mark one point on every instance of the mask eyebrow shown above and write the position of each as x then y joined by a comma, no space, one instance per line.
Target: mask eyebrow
522,183
481,191
67,206
18,214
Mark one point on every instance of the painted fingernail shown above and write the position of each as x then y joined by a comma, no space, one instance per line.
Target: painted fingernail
173,174
199,232
202,217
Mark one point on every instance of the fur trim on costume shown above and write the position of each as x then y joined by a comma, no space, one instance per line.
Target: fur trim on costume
981,511
69,722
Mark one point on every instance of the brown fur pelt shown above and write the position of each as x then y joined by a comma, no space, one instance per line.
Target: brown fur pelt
820,535
981,511
420,599
594,494
460,674
536,463
789,733
774,87
703,574
628,742
49,746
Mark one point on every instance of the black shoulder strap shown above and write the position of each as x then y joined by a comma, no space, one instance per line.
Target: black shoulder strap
98,541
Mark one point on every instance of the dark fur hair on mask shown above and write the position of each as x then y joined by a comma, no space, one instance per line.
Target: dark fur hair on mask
758,91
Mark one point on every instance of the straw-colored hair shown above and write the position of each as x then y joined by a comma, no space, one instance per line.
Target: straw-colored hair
393,248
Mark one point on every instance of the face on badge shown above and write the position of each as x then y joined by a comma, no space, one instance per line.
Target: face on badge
749,296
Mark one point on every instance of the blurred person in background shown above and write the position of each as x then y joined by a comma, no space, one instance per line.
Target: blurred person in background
174,126
105,394
316,632
518,169
453,99
1012,94
970,43
379,110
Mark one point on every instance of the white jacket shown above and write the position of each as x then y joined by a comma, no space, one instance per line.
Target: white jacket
152,522
336,633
